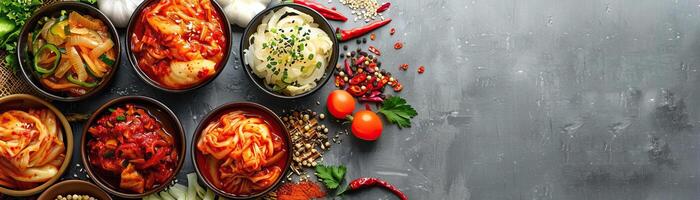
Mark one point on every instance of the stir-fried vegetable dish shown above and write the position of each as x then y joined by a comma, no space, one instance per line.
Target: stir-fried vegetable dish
31,148
289,51
243,153
179,43
71,53
132,146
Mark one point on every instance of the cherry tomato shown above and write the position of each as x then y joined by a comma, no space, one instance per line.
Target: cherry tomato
366,125
340,104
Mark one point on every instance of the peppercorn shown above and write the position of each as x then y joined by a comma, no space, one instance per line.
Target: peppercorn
352,54
372,36
358,41
345,47
364,40
392,31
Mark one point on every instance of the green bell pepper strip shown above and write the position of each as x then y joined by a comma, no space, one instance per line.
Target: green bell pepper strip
42,70
80,83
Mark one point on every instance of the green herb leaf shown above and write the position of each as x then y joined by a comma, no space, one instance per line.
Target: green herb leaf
397,111
331,175
121,118
89,1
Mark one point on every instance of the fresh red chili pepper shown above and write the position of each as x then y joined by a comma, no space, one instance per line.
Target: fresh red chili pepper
325,11
355,90
383,7
421,69
372,36
404,67
392,31
398,45
374,50
345,35
361,77
375,182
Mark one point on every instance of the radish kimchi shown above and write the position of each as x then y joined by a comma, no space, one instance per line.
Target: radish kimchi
31,148
179,43
131,145
243,154
71,53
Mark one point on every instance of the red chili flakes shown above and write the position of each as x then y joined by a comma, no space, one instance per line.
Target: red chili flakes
403,67
374,50
398,45
421,69
372,36
397,87
392,31
339,82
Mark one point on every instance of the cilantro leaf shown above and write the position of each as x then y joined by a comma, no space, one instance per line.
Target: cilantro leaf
397,111
331,175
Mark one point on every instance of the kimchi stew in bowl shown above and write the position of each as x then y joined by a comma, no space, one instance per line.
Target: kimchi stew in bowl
36,145
178,45
133,146
241,150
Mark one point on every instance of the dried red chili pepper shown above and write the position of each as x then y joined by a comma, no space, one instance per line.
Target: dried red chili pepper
328,13
374,182
360,60
421,69
398,45
383,7
372,36
345,35
374,50
404,67
392,31
348,71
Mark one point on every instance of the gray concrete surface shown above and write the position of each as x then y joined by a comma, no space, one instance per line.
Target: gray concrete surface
539,99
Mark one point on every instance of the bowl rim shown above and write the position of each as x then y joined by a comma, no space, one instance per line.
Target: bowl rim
145,78
72,181
125,99
68,141
83,8
231,106
333,59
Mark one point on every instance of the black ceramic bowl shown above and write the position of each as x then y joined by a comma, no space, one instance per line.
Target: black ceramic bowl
160,112
272,119
135,64
318,19
54,10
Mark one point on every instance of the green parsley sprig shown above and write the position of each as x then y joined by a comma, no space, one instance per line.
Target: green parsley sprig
397,111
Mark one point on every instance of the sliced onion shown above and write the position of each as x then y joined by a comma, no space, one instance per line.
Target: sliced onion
82,41
102,48
77,63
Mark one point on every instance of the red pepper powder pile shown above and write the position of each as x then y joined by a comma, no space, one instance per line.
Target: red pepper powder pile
300,191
